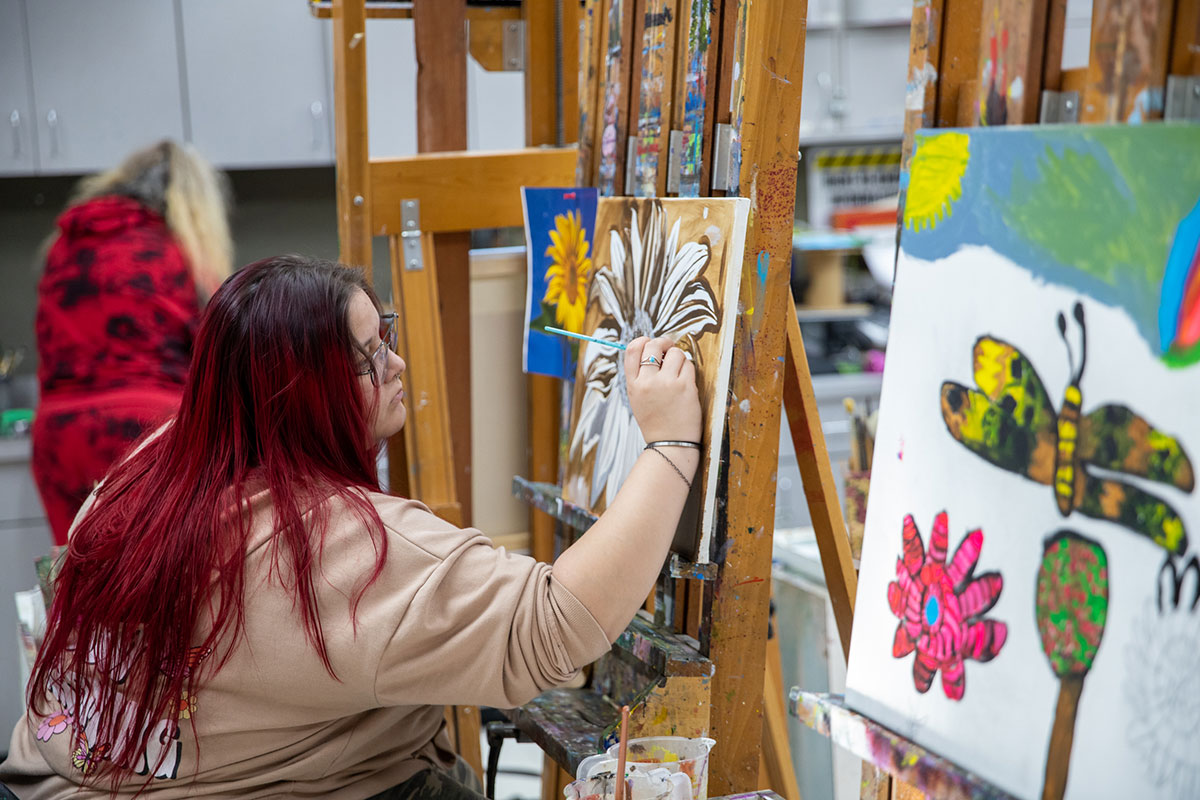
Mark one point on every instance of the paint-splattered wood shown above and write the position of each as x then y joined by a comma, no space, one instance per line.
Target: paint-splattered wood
1012,39
673,707
547,498
568,724
590,70
816,472
1185,43
959,56
617,32
827,714
1127,65
767,117
695,91
655,97
737,98
921,87
664,651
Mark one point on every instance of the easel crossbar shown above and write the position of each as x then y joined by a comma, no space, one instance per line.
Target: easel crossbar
462,191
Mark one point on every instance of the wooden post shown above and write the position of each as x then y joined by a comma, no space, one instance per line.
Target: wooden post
1185,44
1012,40
350,113
542,109
959,58
1131,41
441,47
924,61
769,94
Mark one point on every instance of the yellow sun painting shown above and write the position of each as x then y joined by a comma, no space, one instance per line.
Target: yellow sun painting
569,271
935,179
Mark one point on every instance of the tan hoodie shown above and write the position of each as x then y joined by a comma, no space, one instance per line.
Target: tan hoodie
451,620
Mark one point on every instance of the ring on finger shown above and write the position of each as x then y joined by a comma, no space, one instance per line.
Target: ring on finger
651,360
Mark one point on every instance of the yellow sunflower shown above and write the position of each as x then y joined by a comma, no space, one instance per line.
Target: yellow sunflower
935,179
568,274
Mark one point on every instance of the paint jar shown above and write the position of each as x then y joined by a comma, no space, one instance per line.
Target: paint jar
601,783
675,753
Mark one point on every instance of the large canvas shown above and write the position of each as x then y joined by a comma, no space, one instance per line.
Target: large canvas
558,248
662,268
1029,586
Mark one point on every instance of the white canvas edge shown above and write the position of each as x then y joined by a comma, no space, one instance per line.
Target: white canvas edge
720,400
528,284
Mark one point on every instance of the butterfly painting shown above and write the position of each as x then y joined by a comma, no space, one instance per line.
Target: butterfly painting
84,757
1011,422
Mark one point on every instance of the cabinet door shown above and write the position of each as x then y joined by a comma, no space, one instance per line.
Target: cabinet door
17,129
105,80
258,92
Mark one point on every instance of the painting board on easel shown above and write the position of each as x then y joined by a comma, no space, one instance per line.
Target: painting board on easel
1029,594
662,268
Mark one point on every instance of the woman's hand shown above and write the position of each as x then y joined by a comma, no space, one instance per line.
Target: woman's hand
662,394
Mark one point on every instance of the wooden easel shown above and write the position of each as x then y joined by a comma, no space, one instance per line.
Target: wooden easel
415,203
951,43
704,622
710,681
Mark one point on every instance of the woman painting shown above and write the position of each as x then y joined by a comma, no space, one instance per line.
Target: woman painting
134,256
242,614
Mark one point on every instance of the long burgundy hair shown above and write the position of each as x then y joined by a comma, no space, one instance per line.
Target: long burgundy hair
154,571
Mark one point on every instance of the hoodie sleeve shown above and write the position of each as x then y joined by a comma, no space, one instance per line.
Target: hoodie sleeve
483,626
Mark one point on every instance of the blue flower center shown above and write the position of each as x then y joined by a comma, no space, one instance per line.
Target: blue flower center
932,611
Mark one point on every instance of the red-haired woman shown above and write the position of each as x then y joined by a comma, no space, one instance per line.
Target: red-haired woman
242,614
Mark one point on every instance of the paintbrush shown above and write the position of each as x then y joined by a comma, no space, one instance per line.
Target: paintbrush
605,342
621,751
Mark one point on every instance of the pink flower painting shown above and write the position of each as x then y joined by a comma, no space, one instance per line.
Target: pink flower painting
55,723
941,607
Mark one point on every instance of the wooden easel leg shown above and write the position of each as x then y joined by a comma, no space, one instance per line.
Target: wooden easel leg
463,725
554,779
780,772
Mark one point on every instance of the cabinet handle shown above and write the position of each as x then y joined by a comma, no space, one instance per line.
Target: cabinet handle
317,110
52,124
14,119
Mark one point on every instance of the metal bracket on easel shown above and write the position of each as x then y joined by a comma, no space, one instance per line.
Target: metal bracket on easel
410,234
630,164
512,46
1183,98
674,161
1059,107
722,157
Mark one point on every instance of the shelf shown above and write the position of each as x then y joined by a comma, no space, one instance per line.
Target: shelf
547,497
850,136
572,724
839,314
390,9
933,775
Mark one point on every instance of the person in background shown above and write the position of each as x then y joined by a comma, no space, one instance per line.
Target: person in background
241,613
135,255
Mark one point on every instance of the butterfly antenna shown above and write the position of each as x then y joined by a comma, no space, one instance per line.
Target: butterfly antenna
1082,340
1062,331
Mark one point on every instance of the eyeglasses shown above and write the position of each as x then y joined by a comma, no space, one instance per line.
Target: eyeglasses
377,367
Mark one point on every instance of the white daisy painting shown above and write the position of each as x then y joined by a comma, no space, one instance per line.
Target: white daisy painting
669,267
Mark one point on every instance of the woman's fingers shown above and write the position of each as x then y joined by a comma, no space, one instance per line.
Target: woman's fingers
633,355
673,362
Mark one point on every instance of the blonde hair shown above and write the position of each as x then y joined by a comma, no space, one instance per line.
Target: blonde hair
193,196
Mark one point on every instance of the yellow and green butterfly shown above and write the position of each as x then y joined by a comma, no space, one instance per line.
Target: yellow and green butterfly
1010,422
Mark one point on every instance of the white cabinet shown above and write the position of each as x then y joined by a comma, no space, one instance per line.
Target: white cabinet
17,132
24,537
258,91
106,80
